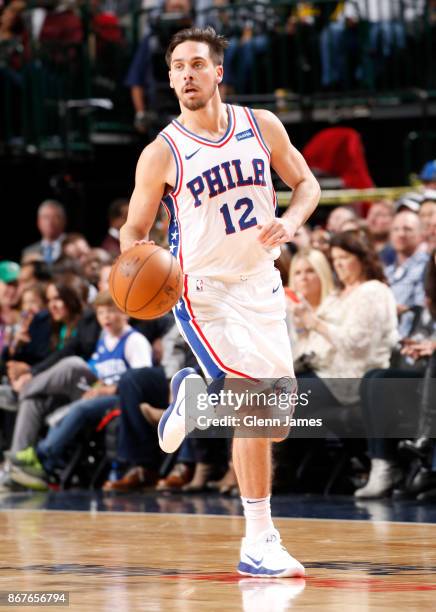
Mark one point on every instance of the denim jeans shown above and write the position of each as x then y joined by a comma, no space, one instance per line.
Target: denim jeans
83,413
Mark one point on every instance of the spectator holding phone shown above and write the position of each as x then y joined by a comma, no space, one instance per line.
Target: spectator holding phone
311,281
354,328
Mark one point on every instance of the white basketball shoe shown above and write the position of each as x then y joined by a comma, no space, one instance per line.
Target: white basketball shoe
267,558
174,425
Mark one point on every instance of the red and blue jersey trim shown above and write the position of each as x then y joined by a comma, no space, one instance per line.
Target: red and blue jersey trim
201,347
205,141
255,127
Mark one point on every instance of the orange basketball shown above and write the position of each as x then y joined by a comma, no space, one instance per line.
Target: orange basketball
146,281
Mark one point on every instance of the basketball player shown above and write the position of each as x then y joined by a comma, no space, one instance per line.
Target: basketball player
211,169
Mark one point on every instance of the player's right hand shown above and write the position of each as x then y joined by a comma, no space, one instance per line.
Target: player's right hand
143,242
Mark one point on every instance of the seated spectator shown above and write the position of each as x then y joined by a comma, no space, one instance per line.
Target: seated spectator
65,307
51,221
117,216
33,272
311,280
92,264
9,298
24,346
338,217
406,274
386,406
431,234
302,237
426,212
118,349
103,281
320,240
75,246
137,439
379,223
409,201
338,344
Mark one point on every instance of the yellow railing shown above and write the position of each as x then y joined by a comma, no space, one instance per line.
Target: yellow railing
333,197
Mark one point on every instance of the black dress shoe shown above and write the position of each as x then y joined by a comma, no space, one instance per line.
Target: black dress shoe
427,495
424,480
421,447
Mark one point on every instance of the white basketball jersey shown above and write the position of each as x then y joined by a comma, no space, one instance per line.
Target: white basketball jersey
223,192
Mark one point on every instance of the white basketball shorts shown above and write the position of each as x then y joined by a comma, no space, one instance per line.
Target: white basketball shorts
237,329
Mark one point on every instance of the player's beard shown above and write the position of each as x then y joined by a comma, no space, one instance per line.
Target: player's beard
200,102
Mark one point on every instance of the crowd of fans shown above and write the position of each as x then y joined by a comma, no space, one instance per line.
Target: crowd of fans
361,303
308,46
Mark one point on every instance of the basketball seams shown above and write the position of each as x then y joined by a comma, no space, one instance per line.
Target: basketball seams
134,278
112,285
157,292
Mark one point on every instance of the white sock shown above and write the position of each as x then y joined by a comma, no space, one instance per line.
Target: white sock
257,514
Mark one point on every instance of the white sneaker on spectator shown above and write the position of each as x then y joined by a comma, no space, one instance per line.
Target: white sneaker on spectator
265,557
174,426
384,475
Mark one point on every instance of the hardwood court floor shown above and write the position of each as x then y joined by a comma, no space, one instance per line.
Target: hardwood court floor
172,562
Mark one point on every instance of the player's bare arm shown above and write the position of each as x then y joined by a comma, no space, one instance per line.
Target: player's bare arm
155,173
292,168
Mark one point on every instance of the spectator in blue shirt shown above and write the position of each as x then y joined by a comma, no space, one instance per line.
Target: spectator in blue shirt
406,274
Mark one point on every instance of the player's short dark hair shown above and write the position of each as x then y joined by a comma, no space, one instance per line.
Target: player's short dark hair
216,43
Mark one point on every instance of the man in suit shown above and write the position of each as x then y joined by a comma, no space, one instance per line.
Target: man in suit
51,222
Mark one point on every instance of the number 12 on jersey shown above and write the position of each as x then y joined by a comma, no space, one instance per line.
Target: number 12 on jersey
244,221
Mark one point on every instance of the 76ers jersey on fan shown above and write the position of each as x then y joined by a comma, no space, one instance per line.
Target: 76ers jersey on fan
223,191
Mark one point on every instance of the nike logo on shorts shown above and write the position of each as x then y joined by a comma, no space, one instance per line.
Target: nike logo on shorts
192,154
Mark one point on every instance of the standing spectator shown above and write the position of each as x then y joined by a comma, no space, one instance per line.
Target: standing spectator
117,215
142,78
51,221
379,223
337,40
406,274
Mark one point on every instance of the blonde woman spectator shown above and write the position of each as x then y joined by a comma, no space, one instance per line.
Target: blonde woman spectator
310,279
355,327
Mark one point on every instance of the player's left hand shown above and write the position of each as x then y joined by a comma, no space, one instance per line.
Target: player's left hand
277,231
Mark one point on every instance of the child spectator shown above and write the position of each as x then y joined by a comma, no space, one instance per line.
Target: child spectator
118,349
